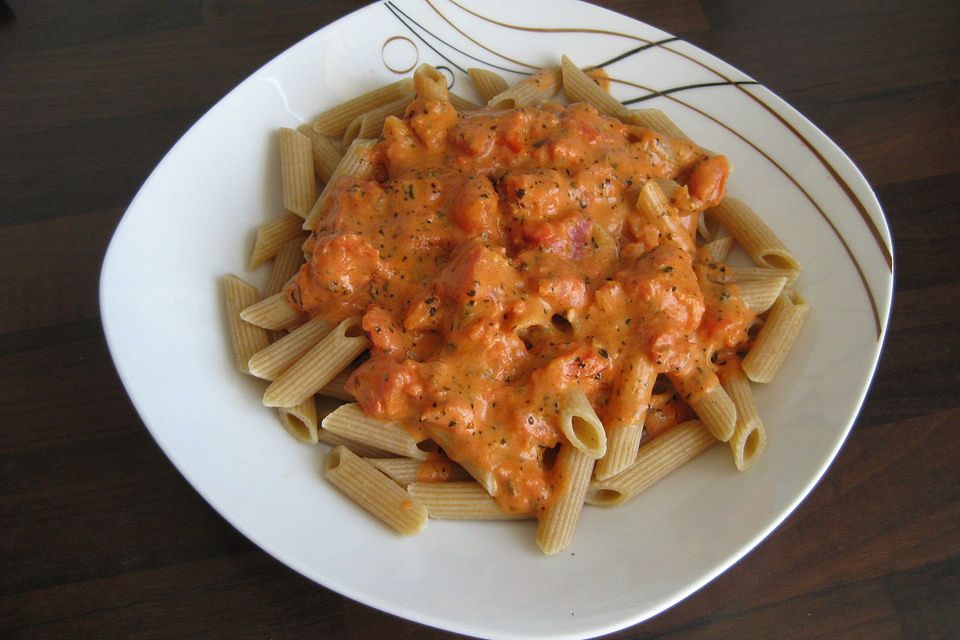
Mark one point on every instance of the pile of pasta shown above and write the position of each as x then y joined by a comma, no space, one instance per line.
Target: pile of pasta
385,467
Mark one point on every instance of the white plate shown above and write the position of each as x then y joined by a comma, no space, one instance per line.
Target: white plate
191,223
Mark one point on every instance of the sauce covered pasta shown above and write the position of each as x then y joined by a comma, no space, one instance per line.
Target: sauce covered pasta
547,316
500,258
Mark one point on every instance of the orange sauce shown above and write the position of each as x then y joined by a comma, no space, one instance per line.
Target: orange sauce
498,258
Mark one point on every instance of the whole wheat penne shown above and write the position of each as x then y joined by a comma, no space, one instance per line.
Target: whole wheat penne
702,229
581,425
539,87
333,122
557,524
296,163
656,120
362,450
747,274
357,162
776,337
460,103
273,235
459,501
483,476
749,436
487,83
245,338
654,205
407,470
715,409
337,388
272,313
318,366
579,87
374,491
369,125
273,360
758,295
285,265
631,397
753,235
668,187
429,84
301,421
717,250
655,460
326,152
350,422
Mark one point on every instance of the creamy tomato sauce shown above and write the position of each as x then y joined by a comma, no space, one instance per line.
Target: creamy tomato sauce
498,257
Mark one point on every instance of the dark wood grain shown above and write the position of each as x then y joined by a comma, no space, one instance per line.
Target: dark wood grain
100,537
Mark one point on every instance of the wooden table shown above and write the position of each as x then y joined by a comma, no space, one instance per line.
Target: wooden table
101,537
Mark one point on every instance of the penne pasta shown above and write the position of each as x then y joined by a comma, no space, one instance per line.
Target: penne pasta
333,122
459,501
245,338
326,152
579,87
337,388
656,120
487,83
753,235
357,162
318,366
581,425
461,104
369,125
632,397
285,265
758,295
488,335
654,205
717,250
557,524
273,235
716,410
296,163
350,422
272,313
273,360
407,470
484,477
776,337
374,491
749,437
539,87
748,274
362,450
655,460
301,421
429,84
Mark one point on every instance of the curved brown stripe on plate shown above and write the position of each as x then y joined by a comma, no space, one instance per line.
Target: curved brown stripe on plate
397,10
836,232
486,48
549,29
627,54
874,230
419,37
648,45
847,190
686,87
383,50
